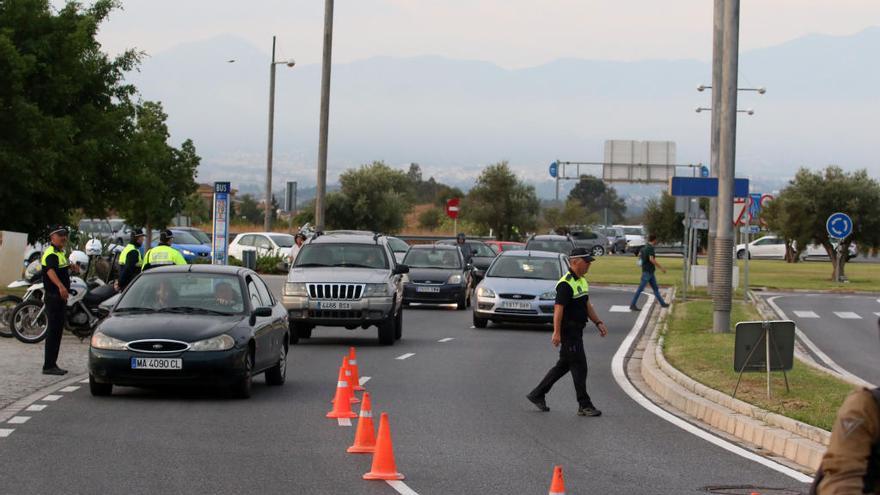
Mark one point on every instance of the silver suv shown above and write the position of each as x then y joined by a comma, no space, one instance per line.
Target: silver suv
345,280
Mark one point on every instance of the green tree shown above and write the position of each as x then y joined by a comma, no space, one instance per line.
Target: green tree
431,218
373,197
662,220
800,211
571,213
501,202
65,114
595,196
197,209
249,211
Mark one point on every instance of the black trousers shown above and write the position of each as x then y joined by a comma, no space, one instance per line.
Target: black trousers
55,308
572,358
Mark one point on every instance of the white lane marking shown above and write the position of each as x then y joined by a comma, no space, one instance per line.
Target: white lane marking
344,421
805,314
619,309
620,377
847,315
72,388
363,380
877,313
5,432
35,407
52,397
473,326
405,356
18,420
447,339
401,487
84,381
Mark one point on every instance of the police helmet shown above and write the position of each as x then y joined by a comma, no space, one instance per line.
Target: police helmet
166,236
135,233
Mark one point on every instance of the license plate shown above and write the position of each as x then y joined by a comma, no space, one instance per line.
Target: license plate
516,305
333,305
156,364
427,289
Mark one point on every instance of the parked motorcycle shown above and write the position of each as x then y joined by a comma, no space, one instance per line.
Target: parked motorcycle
8,303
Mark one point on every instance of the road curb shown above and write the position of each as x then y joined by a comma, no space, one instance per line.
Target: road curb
19,405
793,440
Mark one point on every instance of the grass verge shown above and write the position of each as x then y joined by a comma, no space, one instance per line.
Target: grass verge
708,358
772,274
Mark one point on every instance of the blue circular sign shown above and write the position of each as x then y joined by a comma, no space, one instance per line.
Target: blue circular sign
839,226
704,171
554,168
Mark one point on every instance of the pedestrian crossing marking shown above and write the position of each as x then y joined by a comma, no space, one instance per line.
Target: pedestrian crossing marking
847,315
18,420
72,388
619,309
52,398
5,432
805,314
35,407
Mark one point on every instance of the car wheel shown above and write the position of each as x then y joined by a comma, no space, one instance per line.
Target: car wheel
398,326
462,300
598,251
99,389
242,389
480,322
277,374
386,331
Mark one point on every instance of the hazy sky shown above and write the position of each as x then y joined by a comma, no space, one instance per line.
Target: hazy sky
511,33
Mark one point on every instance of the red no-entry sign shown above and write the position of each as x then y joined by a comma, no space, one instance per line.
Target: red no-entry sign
452,207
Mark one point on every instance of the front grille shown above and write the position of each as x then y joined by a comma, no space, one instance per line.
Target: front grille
516,311
336,291
429,282
336,314
519,297
158,346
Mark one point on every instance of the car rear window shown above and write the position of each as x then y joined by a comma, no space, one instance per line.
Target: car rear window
432,258
563,247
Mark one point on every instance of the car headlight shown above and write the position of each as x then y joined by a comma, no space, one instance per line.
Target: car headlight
219,343
549,295
485,292
187,252
296,289
454,279
103,341
376,290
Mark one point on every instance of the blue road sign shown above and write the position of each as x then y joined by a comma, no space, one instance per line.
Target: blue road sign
839,226
705,187
704,171
755,205
220,233
554,169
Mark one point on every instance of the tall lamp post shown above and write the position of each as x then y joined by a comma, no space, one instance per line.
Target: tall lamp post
267,218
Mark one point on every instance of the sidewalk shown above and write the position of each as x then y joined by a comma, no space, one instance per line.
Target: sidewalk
21,366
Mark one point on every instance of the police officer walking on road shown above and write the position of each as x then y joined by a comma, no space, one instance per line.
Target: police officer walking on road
130,260
56,283
851,465
163,254
571,313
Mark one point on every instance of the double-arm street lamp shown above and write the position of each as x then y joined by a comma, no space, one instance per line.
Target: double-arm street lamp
267,219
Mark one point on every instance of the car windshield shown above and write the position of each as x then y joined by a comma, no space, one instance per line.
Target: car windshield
95,227
525,267
183,292
116,224
201,236
339,254
184,237
481,249
283,240
397,245
512,247
552,246
633,231
432,258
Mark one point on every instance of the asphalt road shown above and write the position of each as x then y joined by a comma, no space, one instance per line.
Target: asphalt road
844,327
459,421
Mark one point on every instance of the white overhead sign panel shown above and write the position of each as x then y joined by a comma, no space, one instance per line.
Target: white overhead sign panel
638,161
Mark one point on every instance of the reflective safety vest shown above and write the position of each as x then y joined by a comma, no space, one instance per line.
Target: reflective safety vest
579,287
62,258
123,256
163,255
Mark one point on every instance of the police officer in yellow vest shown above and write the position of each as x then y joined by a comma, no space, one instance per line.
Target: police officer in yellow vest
130,260
163,254
56,283
571,313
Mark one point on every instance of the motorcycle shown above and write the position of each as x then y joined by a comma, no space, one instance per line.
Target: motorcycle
8,303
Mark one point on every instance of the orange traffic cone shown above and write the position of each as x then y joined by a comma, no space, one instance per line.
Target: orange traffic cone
557,486
384,467
355,372
352,397
342,402
365,437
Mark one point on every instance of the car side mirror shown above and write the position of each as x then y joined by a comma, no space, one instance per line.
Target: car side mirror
401,269
261,312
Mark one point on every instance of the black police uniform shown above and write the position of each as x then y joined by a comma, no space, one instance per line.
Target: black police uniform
572,357
55,306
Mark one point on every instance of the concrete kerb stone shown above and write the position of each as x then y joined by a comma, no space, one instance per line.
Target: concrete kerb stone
798,442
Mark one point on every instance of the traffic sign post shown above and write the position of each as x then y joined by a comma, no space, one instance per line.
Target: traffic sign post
452,208
839,226
220,220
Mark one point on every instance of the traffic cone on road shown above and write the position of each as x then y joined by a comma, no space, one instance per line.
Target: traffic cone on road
557,486
384,467
355,372
342,401
348,378
365,436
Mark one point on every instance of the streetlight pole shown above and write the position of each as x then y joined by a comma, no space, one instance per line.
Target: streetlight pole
722,293
267,217
715,133
325,116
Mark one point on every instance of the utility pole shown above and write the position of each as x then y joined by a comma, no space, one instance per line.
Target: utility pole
325,116
715,133
267,217
722,293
